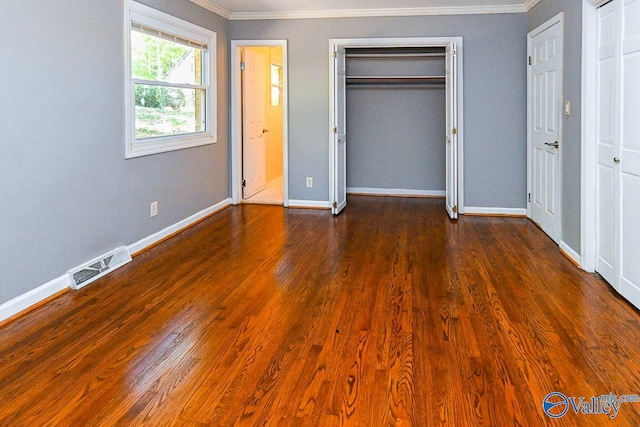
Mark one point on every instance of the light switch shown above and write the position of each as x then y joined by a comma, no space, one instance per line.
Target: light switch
567,108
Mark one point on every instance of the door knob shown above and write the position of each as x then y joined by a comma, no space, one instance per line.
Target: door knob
265,130
616,160
554,145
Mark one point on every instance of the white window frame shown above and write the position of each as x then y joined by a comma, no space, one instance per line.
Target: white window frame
150,17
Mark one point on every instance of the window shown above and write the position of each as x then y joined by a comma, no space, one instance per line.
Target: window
276,85
170,83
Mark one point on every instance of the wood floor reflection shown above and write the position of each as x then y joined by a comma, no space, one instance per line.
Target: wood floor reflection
389,314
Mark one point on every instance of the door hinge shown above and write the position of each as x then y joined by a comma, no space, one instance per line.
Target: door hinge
455,209
454,52
335,205
454,131
244,183
530,61
242,66
335,130
529,197
335,54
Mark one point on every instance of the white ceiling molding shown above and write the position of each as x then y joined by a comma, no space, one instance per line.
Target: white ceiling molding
210,5
529,4
359,13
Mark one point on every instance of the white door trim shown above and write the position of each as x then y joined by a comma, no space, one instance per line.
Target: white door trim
558,19
401,42
236,116
589,200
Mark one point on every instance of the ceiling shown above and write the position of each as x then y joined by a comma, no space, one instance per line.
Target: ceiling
289,9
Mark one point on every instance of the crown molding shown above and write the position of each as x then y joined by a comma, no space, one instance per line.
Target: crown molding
529,4
211,6
361,13
386,12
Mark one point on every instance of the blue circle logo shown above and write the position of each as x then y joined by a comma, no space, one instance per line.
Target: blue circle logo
555,405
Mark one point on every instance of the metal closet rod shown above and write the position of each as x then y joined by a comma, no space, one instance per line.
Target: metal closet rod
389,79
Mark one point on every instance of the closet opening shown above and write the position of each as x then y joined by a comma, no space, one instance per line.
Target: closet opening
396,122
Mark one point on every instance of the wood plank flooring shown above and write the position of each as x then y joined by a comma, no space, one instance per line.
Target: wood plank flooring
390,314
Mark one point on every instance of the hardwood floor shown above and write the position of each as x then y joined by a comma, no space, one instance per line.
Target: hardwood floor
389,314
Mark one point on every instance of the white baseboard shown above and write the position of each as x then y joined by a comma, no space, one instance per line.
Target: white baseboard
33,297
309,204
162,234
28,299
495,211
571,253
395,192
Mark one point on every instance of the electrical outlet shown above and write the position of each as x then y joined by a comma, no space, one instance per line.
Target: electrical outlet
309,182
154,209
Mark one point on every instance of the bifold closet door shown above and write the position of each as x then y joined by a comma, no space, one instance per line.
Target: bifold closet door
629,157
619,147
340,132
607,137
451,153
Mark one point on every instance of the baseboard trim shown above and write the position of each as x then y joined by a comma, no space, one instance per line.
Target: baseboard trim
309,204
22,304
162,235
394,192
511,212
571,254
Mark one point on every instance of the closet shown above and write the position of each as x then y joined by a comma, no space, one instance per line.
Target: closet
618,147
396,106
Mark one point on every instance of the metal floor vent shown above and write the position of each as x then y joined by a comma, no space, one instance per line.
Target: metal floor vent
96,268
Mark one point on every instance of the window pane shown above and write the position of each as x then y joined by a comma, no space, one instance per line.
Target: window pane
153,58
276,96
276,75
163,111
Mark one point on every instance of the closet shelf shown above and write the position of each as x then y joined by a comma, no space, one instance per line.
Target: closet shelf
395,55
395,79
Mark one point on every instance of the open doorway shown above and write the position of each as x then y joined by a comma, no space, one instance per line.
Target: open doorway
259,122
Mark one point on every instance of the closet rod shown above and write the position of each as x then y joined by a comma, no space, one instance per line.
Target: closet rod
395,55
399,79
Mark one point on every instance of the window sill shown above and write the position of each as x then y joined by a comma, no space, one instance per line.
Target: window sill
162,145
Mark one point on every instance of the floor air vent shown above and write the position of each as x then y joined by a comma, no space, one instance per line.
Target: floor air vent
95,269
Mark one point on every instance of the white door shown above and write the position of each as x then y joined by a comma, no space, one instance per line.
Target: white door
607,136
339,154
545,98
451,168
628,159
618,143
253,123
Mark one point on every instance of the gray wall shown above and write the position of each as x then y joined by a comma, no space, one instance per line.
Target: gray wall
571,137
67,193
396,134
409,154
494,96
